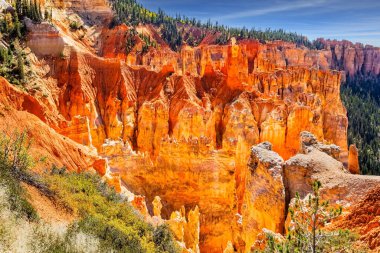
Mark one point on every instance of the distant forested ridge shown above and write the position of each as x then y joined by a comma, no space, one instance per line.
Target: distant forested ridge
177,30
361,96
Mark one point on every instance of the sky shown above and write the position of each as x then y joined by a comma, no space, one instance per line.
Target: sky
354,20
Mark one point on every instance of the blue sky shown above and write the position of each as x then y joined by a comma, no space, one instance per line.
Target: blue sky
355,20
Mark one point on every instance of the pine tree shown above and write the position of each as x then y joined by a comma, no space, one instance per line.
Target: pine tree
18,7
308,217
25,8
39,12
20,66
17,27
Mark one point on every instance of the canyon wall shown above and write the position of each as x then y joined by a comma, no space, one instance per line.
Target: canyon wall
353,58
181,125
94,10
225,104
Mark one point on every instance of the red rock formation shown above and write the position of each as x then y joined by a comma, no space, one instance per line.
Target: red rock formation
21,112
192,118
364,218
353,58
139,204
263,203
181,126
317,162
295,95
353,160
358,195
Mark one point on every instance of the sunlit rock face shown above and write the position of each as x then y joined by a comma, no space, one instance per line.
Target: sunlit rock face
364,219
188,138
263,202
181,125
21,112
44,39
99,8
353,160
317,161
183,129
222,107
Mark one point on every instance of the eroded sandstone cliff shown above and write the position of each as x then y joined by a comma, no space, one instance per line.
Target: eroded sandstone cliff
181,125
185,133
185,124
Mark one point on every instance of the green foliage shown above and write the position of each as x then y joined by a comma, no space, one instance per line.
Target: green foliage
361,97
307,218
62,55
17,27
336,241
305,234
107,223
171,34
14,164
12,59
74,25
131,40
147,43
20,66
12,65
18,234
105,215
48,14
113,235
163,239
6,56
30,9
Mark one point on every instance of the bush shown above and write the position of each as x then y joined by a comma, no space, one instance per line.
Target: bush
74,25
106,222
14,164
18,234
105,215
112,235
163,238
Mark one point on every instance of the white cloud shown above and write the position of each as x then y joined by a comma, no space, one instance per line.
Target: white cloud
280,8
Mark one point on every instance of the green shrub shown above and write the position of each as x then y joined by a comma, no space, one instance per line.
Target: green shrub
74,25
107,223
163,238
18,234
14,164
105,215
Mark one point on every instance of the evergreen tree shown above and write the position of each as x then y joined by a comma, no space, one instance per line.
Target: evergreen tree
17,27
20,66
25,8
306,233
19,7
361,97
173,32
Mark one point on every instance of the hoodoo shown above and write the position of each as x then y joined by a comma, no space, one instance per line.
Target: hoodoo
212,139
